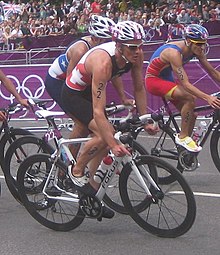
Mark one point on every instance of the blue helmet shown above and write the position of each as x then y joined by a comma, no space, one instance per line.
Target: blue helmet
196,32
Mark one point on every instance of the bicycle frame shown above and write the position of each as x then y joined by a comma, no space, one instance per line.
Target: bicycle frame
215,118
118,163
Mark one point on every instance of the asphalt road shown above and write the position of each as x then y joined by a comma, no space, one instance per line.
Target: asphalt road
21,234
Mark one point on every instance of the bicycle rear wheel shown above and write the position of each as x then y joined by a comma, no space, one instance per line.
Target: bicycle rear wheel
15,155
174,210
53,213
9,138
112,197
215,147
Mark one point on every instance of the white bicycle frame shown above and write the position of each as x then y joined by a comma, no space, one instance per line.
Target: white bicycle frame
118,163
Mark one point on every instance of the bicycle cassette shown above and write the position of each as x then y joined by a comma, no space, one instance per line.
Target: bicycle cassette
90,206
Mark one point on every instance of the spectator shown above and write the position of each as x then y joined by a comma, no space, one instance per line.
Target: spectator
144,19
123,6
183,17
16,35
24,14
213,15
194,19
96,7
42,13
217,9
1,36
205,13
6,36
172,16
158,22
150,22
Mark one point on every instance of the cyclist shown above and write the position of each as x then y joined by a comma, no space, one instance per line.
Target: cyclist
64,64
104,63
10,87
170,58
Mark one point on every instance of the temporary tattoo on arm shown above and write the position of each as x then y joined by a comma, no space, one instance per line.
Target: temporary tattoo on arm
99,90
180,73
92,151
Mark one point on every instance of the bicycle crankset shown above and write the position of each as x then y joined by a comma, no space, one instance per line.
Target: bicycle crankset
188,160
90,206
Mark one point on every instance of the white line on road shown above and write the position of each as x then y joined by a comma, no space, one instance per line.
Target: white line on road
201,194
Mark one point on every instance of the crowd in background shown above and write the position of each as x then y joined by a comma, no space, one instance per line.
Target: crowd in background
43,18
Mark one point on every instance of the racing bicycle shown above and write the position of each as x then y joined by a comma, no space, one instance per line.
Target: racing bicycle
163,145
55,202
28,145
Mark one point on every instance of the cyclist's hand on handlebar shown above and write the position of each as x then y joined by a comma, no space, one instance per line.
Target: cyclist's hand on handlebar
214,102
129,102
2,116
151,129
120,150
24,102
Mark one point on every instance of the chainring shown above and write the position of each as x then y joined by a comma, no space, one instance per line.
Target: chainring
90,206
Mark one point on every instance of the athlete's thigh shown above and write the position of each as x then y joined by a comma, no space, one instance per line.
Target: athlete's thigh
180,96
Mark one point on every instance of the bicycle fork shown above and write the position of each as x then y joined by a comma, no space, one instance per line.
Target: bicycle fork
143,183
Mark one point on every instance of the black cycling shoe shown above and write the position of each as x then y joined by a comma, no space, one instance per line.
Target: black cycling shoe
106,213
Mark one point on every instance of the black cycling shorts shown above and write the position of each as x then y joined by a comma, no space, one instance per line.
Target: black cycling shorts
78,103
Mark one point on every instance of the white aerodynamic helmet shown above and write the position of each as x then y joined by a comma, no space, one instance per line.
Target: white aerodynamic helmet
128,30
100,26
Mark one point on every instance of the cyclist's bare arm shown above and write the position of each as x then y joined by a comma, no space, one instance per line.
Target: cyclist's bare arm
177,67
2,116
100,68
174,58
74,54
10,87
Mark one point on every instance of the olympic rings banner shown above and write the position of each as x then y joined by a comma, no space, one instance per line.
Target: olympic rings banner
29,82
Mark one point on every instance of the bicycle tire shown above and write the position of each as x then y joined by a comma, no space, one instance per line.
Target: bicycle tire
7,139
52,213
16,153
215,147
172,213
112,197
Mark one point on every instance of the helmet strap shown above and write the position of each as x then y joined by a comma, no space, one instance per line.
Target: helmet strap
186,43
120,50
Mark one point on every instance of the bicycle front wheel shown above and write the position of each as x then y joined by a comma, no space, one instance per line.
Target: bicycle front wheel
15,155
170,212
54,213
